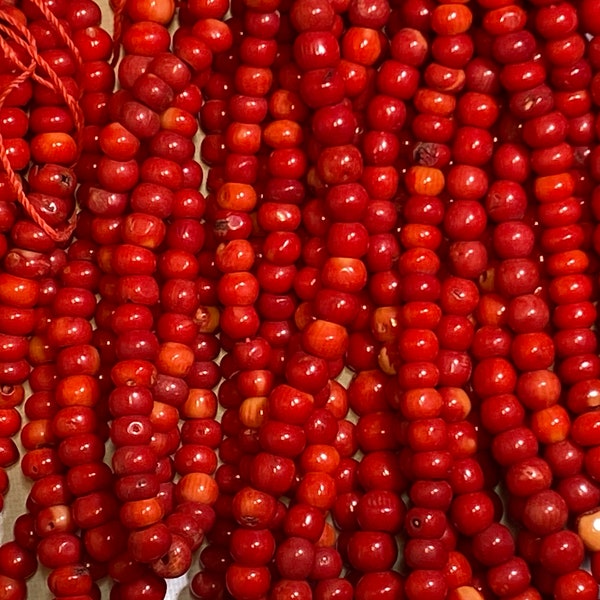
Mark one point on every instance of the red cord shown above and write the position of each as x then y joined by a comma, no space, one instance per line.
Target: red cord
21,36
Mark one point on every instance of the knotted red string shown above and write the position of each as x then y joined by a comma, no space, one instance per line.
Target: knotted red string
41,72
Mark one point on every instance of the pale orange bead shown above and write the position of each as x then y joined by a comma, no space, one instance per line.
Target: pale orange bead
253,411
157,11
588,529
54,519
464,592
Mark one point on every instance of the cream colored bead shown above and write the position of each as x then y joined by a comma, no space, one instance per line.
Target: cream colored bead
588,528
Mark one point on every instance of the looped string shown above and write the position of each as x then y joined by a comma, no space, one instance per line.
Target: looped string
118,7
21,36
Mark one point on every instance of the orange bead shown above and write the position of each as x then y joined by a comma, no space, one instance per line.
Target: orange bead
207,319
361,45
417,235
304,315
457,404
200,404
320,458
236,196
451,19
425,181
197,487
141,513
570,262
444,79
325,339
77,390
179,121
458,571
434,102
236,255
56,147
551,425
18,291
157,11
464,592
344,274
421,403
283,133
504,20
174,359
40,351
37,434
255,382
54,520
243,138
554,187
328,537
317,489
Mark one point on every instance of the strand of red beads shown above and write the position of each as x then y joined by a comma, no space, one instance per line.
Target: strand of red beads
562,551
517,278
439,440
332,219
172,192
128,257
201,29
79,412
87,484
584,394
249,511
375,497
337,169
229,231
195,461
51,518
27,275
14,123
371,512
368,508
